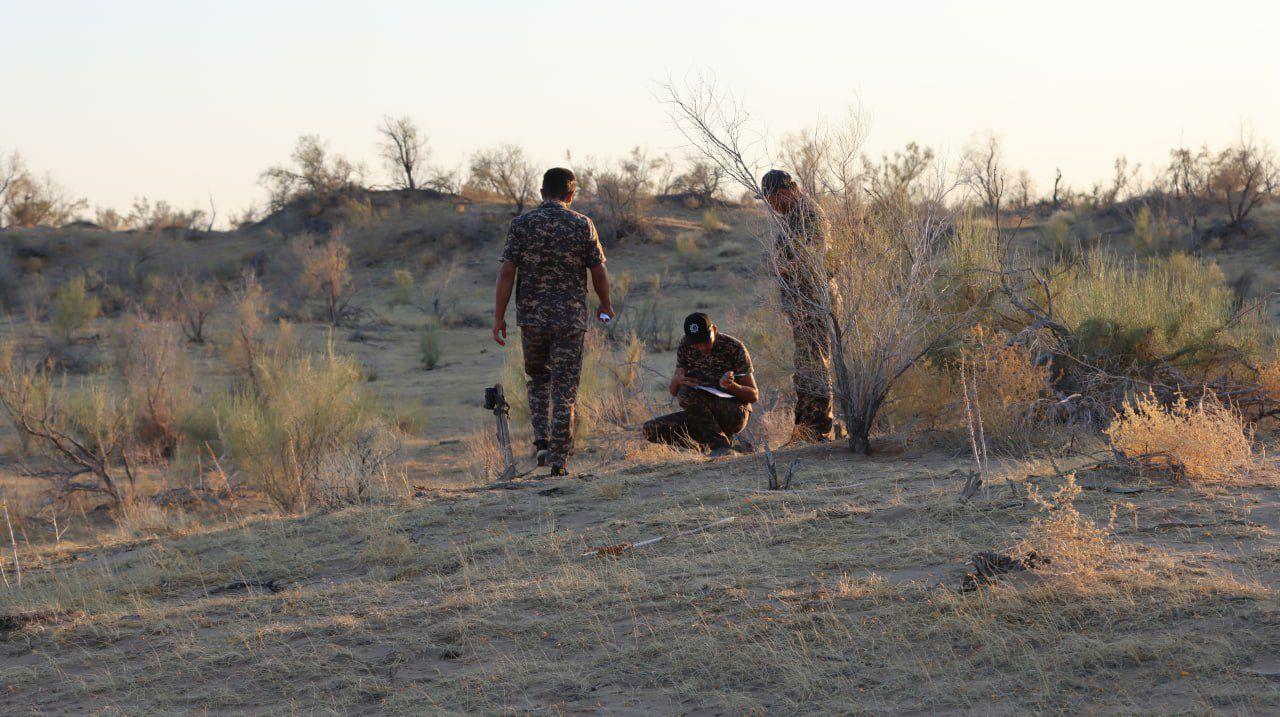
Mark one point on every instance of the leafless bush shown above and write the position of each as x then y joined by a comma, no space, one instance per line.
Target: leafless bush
145,216
324,274
83,429
195,302
873,288
504,171
700,183
983,173
357,472
314,175
900,178
29,201
1243,176
248,319
622,192
403,149
150,360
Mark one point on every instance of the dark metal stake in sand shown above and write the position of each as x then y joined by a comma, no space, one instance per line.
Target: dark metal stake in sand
495,400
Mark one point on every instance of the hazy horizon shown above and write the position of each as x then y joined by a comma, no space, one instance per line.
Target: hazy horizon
174,103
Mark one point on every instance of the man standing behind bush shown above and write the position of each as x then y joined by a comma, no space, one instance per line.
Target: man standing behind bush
548,254
798,259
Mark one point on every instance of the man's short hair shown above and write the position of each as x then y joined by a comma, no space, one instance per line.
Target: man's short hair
559,183
775,180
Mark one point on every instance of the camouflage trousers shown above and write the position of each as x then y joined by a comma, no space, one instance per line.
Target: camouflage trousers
812,377
553,364
706,422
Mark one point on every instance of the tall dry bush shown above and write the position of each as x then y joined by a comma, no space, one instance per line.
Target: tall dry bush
1002,377
1203,442
82,428
248,320
324,273
303,410
158,383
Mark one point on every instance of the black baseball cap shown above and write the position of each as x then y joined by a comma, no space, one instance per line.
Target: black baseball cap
774,180
697,328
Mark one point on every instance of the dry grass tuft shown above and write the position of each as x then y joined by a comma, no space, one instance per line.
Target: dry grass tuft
1074,544
1202,442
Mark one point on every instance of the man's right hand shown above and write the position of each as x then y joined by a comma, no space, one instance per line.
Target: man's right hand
500,331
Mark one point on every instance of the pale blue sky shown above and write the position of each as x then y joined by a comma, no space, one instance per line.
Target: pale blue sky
180,100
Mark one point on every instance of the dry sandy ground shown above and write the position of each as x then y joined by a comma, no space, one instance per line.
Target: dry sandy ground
841,596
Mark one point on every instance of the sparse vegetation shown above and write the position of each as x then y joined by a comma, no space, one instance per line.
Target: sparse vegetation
198,433
1204,442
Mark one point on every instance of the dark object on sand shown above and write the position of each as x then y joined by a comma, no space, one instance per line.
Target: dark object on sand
987,566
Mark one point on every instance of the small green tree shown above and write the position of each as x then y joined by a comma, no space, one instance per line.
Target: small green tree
73,307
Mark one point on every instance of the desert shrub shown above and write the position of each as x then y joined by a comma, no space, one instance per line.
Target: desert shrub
358,471
248,320
622,193
971,266
711,222
82,429
429,345
1123,312
483,457
324,274
146,216
315,176
689,250
1203,441
1152,235
73,307
401,288
1074,544
32,202
504,171
158,385
196,301
1058,234
306,410
1003,381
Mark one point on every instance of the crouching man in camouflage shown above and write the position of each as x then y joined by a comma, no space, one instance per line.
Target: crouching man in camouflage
550,251
714,384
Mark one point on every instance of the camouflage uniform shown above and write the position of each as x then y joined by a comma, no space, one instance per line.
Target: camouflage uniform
707,421
804,241
552,248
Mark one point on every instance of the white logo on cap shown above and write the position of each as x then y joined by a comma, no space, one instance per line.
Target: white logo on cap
693,328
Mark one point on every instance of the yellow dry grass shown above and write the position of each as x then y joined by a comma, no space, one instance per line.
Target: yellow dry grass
1202,441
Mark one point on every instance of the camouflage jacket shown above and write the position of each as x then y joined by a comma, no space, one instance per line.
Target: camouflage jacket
727,354
800,252
804,224
552,248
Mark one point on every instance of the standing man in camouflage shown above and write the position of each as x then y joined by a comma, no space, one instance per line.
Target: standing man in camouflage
549,253
799,256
